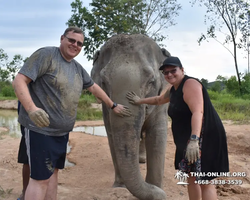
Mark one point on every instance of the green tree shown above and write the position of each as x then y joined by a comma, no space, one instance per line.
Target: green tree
8,69
109,17
232,86
221,79
204,82
246,84
232,14
216,87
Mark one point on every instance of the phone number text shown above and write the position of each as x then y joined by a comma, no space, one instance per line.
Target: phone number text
219,182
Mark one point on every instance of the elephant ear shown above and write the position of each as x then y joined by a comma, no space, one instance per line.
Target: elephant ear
96,55
165,52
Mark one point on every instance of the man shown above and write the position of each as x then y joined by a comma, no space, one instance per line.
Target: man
49,86
23,159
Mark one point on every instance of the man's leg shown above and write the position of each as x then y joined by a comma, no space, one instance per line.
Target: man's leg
51,193
47,155
23,159
43,189
26,177
36,189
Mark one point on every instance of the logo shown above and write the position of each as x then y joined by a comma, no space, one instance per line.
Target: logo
182,177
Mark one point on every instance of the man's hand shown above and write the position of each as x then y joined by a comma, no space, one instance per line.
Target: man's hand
122,111
133,98
39,117
193,152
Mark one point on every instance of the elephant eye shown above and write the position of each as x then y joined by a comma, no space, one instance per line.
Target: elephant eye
151,81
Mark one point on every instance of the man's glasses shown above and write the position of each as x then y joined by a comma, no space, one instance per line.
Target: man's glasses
173,71
73,41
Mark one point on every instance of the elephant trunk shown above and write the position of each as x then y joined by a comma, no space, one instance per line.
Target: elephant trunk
126,148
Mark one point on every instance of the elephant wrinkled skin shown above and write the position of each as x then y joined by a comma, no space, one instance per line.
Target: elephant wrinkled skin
131,63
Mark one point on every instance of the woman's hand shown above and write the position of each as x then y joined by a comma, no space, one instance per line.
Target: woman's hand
133,98
193,152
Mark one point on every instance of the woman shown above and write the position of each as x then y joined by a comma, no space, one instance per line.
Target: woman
198,132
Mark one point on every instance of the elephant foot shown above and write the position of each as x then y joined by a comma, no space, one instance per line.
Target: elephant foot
142,159
116,184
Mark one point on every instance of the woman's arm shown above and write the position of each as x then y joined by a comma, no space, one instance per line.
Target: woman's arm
155,100
192,95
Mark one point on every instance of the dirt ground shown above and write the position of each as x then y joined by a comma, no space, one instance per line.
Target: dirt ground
92,176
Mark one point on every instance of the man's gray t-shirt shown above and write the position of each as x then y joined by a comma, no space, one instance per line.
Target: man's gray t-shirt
56,88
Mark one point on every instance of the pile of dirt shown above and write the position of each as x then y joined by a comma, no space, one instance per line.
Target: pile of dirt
8,104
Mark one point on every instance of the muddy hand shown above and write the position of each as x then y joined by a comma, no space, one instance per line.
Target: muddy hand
40,118
133,98
192,153
122,111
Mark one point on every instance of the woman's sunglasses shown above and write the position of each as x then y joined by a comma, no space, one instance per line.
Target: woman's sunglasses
173,71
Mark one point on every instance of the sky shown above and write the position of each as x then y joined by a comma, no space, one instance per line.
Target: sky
27,25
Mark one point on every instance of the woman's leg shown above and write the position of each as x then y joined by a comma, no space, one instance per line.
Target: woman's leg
208,192
194,190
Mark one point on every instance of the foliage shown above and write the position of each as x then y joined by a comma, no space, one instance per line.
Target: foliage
85,111
216,87
245,86
109,17
5,193
230,107
204,82
232,86
234,14
8,69
8,91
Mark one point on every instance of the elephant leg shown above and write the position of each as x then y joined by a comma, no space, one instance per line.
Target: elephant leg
156,137
142,149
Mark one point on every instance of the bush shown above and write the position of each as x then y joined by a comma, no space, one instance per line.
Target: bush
230,107
8,91
218,96
85,111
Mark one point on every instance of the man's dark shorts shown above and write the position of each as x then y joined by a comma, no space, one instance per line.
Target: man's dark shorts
45,153
22,152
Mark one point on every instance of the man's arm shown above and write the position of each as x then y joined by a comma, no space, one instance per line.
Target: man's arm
39,117
98,92
20,85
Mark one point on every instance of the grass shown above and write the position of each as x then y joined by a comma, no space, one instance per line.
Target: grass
227,106
230,107
6,98
85,111
5,193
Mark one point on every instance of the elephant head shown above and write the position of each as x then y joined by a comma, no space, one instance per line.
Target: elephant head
131,63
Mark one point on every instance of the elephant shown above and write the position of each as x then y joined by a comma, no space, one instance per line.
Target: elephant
130,62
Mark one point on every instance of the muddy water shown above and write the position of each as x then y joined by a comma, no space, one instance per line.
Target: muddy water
92,130
8,119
